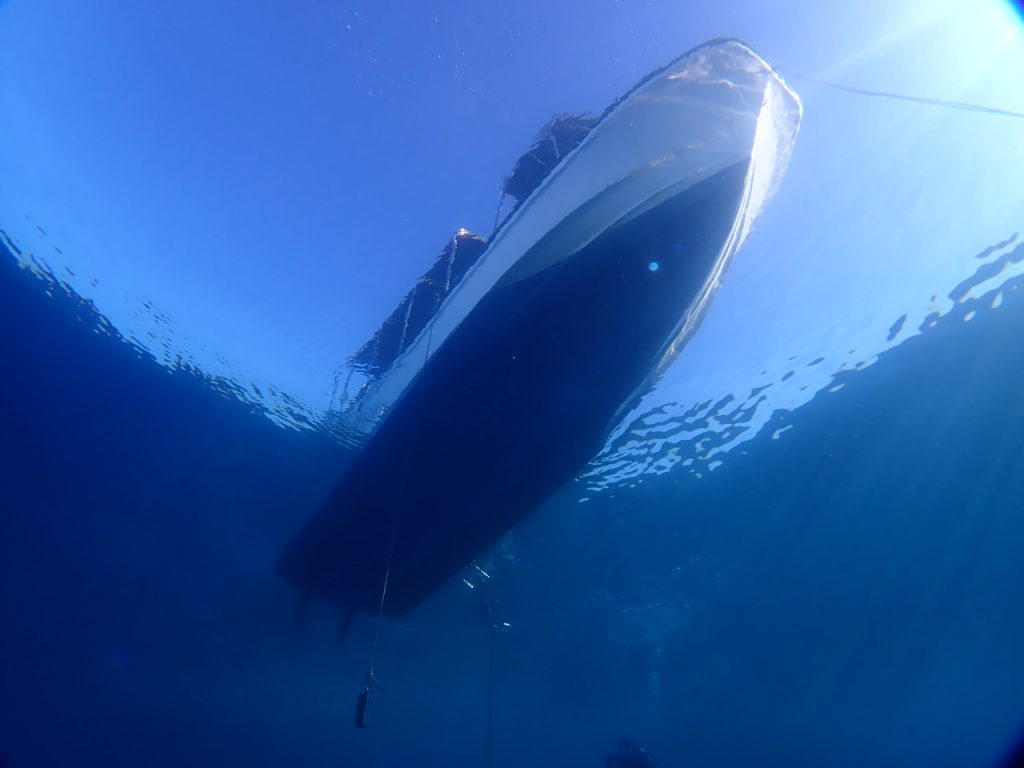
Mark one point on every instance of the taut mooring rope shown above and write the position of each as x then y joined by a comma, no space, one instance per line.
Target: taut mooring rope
961,105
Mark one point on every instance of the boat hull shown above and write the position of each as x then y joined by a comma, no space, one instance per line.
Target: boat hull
582,298
522,395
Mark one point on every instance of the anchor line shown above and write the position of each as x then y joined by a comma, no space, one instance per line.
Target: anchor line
370,677
947,104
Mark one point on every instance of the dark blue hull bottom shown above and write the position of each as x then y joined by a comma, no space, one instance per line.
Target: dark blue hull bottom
516,402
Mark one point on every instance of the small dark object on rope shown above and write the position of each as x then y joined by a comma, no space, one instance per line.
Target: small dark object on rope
363,702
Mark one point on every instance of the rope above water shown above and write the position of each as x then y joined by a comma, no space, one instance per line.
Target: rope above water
961,105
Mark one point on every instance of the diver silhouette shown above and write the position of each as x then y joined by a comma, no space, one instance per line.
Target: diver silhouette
629,755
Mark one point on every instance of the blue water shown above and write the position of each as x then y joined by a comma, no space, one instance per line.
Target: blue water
846,594
801,548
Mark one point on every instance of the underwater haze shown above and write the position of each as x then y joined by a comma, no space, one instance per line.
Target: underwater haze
801,545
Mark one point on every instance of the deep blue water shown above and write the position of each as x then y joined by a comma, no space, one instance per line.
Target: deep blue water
801,548
846,594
